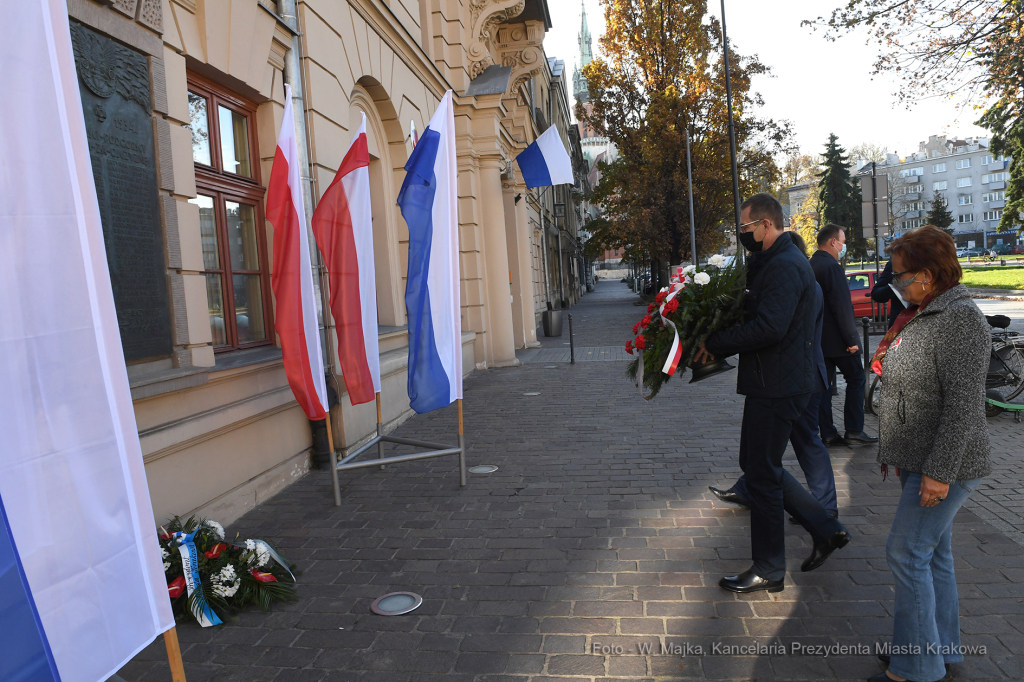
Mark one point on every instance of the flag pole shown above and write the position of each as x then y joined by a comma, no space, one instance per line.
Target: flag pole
333,459
380,432
174,655
462,449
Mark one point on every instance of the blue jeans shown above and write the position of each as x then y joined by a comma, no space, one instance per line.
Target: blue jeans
920,556
852,367
767,423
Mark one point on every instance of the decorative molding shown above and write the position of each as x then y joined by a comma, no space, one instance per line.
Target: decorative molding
485,15
125,7
151,15
521,48
106,67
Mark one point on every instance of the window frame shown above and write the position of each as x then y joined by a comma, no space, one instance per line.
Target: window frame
223,186
939,167
940,185
963,163
965,182
969,218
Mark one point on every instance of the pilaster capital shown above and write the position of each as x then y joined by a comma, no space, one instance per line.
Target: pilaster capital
485,15
521,47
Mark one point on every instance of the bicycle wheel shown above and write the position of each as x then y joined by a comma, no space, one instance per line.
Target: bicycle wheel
1015,367
875,396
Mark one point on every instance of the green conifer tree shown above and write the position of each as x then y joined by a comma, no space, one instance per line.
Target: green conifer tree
939,214
840,198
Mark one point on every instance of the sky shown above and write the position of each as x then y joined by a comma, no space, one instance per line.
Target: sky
821,87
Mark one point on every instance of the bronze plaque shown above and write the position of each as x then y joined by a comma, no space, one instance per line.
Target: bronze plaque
114,83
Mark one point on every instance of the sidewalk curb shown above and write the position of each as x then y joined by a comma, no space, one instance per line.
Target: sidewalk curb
998,294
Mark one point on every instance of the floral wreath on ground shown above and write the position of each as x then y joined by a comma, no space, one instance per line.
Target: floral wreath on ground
209,578
699,302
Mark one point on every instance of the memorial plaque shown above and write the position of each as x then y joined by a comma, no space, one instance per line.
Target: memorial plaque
114,83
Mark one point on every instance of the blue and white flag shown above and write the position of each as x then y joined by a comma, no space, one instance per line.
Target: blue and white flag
429,203
546,162
82,587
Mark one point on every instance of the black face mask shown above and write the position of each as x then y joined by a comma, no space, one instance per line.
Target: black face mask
749,243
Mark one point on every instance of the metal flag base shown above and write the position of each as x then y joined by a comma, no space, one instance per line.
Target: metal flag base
436,450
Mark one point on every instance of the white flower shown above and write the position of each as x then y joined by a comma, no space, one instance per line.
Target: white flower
215,527
718,260
225,582
688,270
664,289
701,278
259,553
167,565
164,553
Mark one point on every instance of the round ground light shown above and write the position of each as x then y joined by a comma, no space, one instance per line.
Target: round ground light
483,469
396,603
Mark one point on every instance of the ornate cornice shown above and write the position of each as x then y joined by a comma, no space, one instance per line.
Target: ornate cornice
521,48
485,15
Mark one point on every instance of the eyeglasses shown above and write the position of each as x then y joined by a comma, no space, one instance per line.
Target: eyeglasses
902,283
752,222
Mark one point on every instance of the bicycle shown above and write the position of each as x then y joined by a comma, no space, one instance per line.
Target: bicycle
1005,370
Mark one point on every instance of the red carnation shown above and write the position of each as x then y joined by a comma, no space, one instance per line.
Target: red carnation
645,322
636,329
176,587
629,347
216,550
641,343
263,577
651,308
660,298
671,306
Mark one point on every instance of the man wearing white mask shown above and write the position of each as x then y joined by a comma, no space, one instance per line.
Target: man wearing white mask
839,341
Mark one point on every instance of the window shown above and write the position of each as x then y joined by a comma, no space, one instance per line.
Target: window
986,160
913,189
966,218
910,172
963,163
912,224
938,168
992,177
992,215
858,282
993,196
915,205
964,182
965,199
231,223
936,186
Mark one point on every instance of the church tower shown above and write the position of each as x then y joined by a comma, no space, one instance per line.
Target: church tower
579,82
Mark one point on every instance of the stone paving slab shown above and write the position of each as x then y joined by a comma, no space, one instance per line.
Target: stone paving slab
593,553
583,354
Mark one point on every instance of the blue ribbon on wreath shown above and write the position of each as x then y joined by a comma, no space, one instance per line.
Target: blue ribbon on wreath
190,567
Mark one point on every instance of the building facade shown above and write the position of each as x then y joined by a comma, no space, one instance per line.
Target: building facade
183,102
963,171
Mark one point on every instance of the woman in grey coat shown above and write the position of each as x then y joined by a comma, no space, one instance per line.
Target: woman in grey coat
932,429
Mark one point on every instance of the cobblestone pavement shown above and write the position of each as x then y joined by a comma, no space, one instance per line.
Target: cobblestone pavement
596,538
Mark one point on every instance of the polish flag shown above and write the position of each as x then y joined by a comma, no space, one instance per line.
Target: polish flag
343,228
292,278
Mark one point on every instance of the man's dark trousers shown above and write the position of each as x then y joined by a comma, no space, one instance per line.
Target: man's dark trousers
812,455
767,424
852,368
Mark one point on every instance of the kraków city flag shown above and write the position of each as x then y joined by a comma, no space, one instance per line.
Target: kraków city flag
292,278
428,200
343,227
546,162
82,587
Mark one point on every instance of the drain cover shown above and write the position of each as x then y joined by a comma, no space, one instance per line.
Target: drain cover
396,603
483,469
531,393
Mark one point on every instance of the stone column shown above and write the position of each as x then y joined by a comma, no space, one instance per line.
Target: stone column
500,348
519,234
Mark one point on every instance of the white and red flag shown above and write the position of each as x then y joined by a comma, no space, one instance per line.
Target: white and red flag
292,278
343,227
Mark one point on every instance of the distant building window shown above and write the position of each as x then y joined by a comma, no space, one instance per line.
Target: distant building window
966,218
936,186
915,205
909,172
992,177
963,163
965,199
938,168
986,160
913,189
912,224
993,215
993,196
964,182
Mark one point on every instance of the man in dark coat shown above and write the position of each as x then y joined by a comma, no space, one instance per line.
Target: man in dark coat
839,341
776,375
883,293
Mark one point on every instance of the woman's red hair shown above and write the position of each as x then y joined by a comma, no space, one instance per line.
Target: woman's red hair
930,248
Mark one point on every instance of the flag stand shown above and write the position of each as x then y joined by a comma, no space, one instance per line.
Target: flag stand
436,450
174,655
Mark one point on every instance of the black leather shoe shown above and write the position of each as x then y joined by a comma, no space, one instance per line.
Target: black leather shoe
729,496
833,440
859,438
822,551
748,581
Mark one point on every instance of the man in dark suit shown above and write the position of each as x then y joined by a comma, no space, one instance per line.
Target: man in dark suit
811,453
839,342
776,376
883,293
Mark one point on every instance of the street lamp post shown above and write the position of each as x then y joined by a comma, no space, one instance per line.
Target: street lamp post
689,187
732,138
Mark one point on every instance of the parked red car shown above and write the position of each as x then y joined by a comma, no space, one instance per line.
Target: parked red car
861,284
